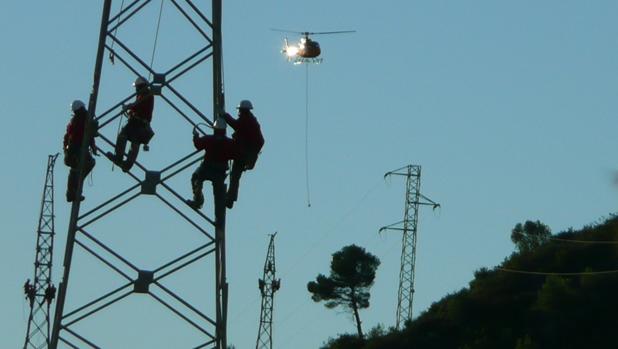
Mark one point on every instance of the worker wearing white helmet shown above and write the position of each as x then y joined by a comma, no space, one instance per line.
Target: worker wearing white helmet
249,140
137,130
219,149
72,145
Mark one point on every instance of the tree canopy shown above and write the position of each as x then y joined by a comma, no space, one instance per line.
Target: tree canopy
352,272
530,235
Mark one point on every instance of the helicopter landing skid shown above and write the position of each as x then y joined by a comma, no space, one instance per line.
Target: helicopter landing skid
303,60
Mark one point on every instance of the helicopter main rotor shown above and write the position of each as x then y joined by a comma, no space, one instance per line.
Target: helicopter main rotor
312,33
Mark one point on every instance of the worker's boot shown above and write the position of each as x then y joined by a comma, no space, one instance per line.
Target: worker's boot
232,192
198,197
113,158
131,157
72,186
197,202
121,143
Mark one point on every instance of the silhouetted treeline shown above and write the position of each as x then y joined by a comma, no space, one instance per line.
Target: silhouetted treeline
509,310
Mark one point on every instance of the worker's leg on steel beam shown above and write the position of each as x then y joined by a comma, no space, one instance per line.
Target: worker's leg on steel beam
218,190
121,143
72,184
232,193
131,157
89,165
197,180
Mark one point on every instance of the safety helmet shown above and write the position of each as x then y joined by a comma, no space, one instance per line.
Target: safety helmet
245,104
77,105
140,81
219,124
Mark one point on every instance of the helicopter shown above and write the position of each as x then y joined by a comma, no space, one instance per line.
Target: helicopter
305,50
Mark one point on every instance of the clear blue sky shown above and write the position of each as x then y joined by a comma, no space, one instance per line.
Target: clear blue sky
509,106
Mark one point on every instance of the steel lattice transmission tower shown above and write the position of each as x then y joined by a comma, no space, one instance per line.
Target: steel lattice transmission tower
409,227
268,285
98,233
41,291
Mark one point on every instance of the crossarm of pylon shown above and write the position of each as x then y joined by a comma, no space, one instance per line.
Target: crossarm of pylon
185,303
181,315
391,227
396,172
428,202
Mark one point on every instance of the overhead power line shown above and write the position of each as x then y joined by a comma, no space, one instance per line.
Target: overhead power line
580,273
606,242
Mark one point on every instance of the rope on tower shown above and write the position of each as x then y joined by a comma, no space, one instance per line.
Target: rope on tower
112,56
156,40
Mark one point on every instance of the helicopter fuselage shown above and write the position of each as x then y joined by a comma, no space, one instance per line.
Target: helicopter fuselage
308,48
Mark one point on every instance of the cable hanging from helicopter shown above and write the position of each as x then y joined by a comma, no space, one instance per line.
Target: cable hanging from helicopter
306,51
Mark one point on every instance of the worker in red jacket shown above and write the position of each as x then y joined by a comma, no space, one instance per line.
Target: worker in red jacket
137,130
72,145
219,149
249,140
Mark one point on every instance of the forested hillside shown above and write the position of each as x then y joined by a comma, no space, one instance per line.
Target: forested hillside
556,291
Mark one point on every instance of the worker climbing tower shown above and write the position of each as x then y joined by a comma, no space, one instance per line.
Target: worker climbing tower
41,292
268,285
136,253
409,227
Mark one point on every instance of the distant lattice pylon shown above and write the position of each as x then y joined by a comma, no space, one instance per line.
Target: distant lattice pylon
408,226
268,285
41,292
